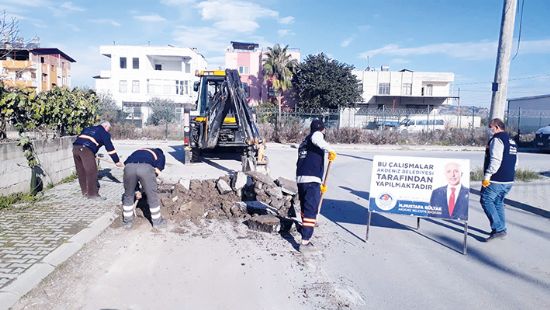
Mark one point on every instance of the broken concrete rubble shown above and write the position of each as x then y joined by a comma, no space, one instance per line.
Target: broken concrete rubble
238,196
223,187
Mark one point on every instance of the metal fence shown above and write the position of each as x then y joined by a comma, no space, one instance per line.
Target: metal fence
526,121
331,117
375,118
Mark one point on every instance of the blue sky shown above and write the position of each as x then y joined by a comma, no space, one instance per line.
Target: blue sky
420,35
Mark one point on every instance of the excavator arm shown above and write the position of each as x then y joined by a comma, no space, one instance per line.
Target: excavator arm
229,102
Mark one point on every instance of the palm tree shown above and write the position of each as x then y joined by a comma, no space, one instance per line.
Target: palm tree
278,70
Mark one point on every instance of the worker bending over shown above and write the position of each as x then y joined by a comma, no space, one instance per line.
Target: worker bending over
90,140
143,166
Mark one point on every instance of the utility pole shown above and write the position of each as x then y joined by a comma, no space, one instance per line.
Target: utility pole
502,71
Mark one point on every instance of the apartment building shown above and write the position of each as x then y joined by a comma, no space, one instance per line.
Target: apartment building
139,73
389,96
33,67
405,88
248,59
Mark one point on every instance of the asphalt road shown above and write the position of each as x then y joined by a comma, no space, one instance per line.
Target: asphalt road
399,266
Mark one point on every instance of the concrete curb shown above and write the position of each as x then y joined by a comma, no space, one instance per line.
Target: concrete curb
389,147
29,279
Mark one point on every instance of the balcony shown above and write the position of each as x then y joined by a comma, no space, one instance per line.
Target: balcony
18,64
19,83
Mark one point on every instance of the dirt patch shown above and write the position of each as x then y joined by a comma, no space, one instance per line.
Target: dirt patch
240,197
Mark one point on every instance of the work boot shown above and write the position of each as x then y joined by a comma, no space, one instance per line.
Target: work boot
128,223
97,198
160,223
496,235
308,248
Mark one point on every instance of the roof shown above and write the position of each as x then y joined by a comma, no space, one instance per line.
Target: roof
244,45
51,51
529,97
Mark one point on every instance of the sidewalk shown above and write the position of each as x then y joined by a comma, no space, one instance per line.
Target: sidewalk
34,240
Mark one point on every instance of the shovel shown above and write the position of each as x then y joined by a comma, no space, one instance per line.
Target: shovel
322,194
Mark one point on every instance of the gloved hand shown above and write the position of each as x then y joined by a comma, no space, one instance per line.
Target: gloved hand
138,195
331,155
323,188
485,183
120,164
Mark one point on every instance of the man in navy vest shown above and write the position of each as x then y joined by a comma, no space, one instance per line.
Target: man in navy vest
86,145
499,168
309,176
143,166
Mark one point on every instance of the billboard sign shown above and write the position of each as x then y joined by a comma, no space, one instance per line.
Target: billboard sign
420,186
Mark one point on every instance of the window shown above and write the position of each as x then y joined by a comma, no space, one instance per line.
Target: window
18,75
182,87
179,88
429,90
42,60
186,87
407,89
158,67
243,70
187,67
135,86
122,62
122,86
135,63
384,88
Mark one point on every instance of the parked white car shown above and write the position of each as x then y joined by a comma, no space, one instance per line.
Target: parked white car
422,124
542,138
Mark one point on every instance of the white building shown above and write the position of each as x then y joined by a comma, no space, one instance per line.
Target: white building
140,73
389,96
405,88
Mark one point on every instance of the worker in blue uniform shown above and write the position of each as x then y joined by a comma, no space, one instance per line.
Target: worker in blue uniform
86,145
309,178
142,167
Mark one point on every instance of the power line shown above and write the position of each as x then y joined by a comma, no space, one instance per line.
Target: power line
529,77
519,33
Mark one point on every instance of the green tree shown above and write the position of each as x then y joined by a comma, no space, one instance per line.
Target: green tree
108,110
278,71
67,111
321,82
163,112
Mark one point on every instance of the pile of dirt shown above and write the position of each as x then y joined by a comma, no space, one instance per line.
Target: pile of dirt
247,197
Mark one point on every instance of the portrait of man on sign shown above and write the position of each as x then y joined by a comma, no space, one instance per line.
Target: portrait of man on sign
452,198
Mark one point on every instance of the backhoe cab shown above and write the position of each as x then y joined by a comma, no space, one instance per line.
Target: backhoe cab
224,121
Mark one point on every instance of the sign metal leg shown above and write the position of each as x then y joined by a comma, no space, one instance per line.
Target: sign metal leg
368,226
465,244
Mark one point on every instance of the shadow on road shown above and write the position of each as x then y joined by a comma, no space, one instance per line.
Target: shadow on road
216,165
106,173
177,152
460,229
493,263
354,156
343,211
519,205
363,194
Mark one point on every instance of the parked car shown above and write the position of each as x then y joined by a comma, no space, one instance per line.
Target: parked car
418,124
542,138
